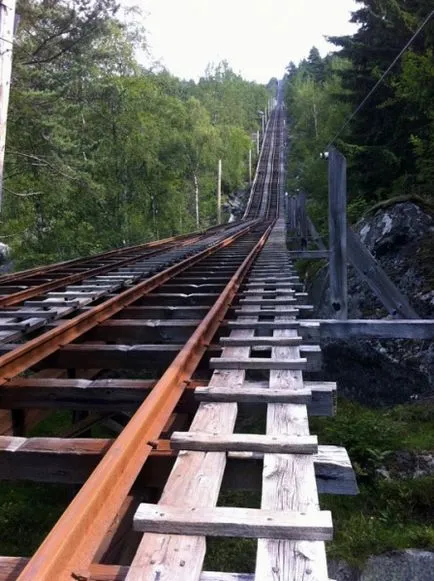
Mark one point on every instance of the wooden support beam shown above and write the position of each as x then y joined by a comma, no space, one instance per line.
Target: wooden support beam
233,522
338,232
314,235
70,461
253,395
371,272
124,395
11,567
257,363
202,442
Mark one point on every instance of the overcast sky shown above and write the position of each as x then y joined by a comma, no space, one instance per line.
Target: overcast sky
257,37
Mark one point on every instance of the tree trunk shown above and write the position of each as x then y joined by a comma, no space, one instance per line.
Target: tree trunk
196,198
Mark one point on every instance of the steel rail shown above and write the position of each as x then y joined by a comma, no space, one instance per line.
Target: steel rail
77,535
30,272
32,352
34,291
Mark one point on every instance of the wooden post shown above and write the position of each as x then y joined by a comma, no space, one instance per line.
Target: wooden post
219,193
250,166
301,217
7,20
257,143
338,232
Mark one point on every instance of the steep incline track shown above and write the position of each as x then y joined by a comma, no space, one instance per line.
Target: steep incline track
165,346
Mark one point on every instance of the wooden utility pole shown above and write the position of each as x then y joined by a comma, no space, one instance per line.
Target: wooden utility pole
7,21
250,166
257,143
219,193
338,232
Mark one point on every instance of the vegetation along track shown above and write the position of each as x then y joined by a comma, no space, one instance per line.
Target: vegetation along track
129,346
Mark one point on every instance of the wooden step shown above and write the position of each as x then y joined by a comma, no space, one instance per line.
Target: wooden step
234,522
253,395
261,341
203,442
261,363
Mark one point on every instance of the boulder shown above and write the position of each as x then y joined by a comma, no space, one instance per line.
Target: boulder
408,565
375,372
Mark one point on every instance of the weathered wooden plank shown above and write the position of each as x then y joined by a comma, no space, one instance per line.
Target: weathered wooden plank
11,567
338,232
314,234
244,443
288,481
233,522
319,329
263,341
195,481
252,395
81,394
257,363
372,273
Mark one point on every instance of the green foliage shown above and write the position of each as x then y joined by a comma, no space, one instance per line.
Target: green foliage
391,139
370,434
30,511
315,115
389,144
103,153
388,515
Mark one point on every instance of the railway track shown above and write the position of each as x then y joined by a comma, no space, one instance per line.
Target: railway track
168,346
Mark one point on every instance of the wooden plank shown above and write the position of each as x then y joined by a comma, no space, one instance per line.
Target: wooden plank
252,395
288,481
269,312
314,234
338,233
244,443
195,481
11,567
233,522
371,272
264,341
319,329
257,363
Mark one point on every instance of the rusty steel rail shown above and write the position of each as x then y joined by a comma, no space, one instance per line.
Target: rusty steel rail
23,275
76,537
35,350
37,290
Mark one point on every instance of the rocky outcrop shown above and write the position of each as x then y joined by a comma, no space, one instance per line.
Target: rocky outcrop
407,464
408,565
375,372
236,204
5,254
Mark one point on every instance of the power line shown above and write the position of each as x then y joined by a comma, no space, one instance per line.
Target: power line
381,79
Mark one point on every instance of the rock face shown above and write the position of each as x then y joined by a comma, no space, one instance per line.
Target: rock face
401,238
409,565
236,204
5,253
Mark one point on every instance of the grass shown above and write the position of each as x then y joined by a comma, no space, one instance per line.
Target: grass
27,513
386,515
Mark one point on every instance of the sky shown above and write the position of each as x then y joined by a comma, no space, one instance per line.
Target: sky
257,37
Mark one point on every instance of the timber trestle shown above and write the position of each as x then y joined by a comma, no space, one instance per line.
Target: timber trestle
169,347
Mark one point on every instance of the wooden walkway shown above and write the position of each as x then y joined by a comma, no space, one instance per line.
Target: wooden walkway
290,527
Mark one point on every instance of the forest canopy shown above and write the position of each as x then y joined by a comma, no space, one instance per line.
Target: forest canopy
389,144
103,152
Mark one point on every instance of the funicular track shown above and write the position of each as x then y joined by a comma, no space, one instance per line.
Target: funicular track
166,344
